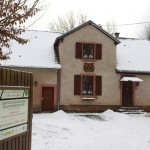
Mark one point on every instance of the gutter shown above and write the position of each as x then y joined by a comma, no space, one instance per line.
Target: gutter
133,72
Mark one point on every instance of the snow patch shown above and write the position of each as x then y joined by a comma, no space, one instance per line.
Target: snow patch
147,114
59,113
69,131
111,115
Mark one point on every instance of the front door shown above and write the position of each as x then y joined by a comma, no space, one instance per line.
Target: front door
127,93
47,98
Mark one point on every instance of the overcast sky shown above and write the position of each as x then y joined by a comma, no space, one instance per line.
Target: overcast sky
100,11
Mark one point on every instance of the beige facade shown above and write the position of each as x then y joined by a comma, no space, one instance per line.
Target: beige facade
137,92
42,78
104,67
142,91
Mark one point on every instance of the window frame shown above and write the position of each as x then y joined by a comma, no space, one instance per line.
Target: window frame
97,51
94,51
97,85
94,85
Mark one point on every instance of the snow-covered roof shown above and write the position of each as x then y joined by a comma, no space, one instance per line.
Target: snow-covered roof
37,53
133,56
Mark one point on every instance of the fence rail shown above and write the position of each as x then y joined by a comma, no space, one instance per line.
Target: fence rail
13,78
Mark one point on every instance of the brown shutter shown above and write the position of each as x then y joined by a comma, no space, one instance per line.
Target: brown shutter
98,51
98,87
78,50
77,85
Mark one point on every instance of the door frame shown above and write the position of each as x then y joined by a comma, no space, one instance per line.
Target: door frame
55,94
133,93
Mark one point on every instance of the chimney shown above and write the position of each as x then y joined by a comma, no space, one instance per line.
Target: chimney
100,25
117,35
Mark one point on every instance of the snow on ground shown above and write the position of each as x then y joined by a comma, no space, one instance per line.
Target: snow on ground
99,131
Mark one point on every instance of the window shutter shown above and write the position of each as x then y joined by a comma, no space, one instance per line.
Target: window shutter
78,50
77,84
98,87
98,51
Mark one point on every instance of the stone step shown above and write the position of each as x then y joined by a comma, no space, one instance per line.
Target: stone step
130,110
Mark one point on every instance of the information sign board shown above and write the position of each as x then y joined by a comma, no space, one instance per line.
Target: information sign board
13,112
13,131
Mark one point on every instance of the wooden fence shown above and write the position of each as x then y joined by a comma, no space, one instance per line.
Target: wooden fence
12,78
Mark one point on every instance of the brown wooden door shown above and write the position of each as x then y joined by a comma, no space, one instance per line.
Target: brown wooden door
127,94
47,98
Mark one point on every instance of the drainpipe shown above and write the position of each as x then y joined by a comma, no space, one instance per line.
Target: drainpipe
58,87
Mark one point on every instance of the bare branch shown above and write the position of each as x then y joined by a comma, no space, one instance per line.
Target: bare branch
146,33
67,22
111,27
12,17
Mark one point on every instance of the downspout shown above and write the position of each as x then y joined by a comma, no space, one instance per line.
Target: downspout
58,87
56,45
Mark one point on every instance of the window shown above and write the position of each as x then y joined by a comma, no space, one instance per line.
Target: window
87,85
88,51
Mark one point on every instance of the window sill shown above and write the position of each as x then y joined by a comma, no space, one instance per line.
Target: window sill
88,60
88,98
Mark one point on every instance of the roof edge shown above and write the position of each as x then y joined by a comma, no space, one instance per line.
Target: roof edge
84,24
133,72
33,67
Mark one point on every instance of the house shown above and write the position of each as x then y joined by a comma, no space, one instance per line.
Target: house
37,56
87,55
77,71
133,65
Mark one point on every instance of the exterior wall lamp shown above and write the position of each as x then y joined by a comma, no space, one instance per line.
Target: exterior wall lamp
35,83
137,84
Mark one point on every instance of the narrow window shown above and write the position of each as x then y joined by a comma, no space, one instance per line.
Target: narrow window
88,51
87,85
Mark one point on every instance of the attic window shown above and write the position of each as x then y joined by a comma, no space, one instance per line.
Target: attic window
88,51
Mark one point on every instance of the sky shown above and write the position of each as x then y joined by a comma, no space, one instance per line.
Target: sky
100,12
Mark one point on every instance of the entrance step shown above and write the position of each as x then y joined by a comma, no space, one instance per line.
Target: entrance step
130,110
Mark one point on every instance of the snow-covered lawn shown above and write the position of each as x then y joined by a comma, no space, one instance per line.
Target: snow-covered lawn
102,131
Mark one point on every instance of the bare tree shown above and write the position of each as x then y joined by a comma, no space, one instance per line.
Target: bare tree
14,13
69,21
111,27
146,33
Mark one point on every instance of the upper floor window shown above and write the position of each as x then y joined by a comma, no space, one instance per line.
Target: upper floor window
88,51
